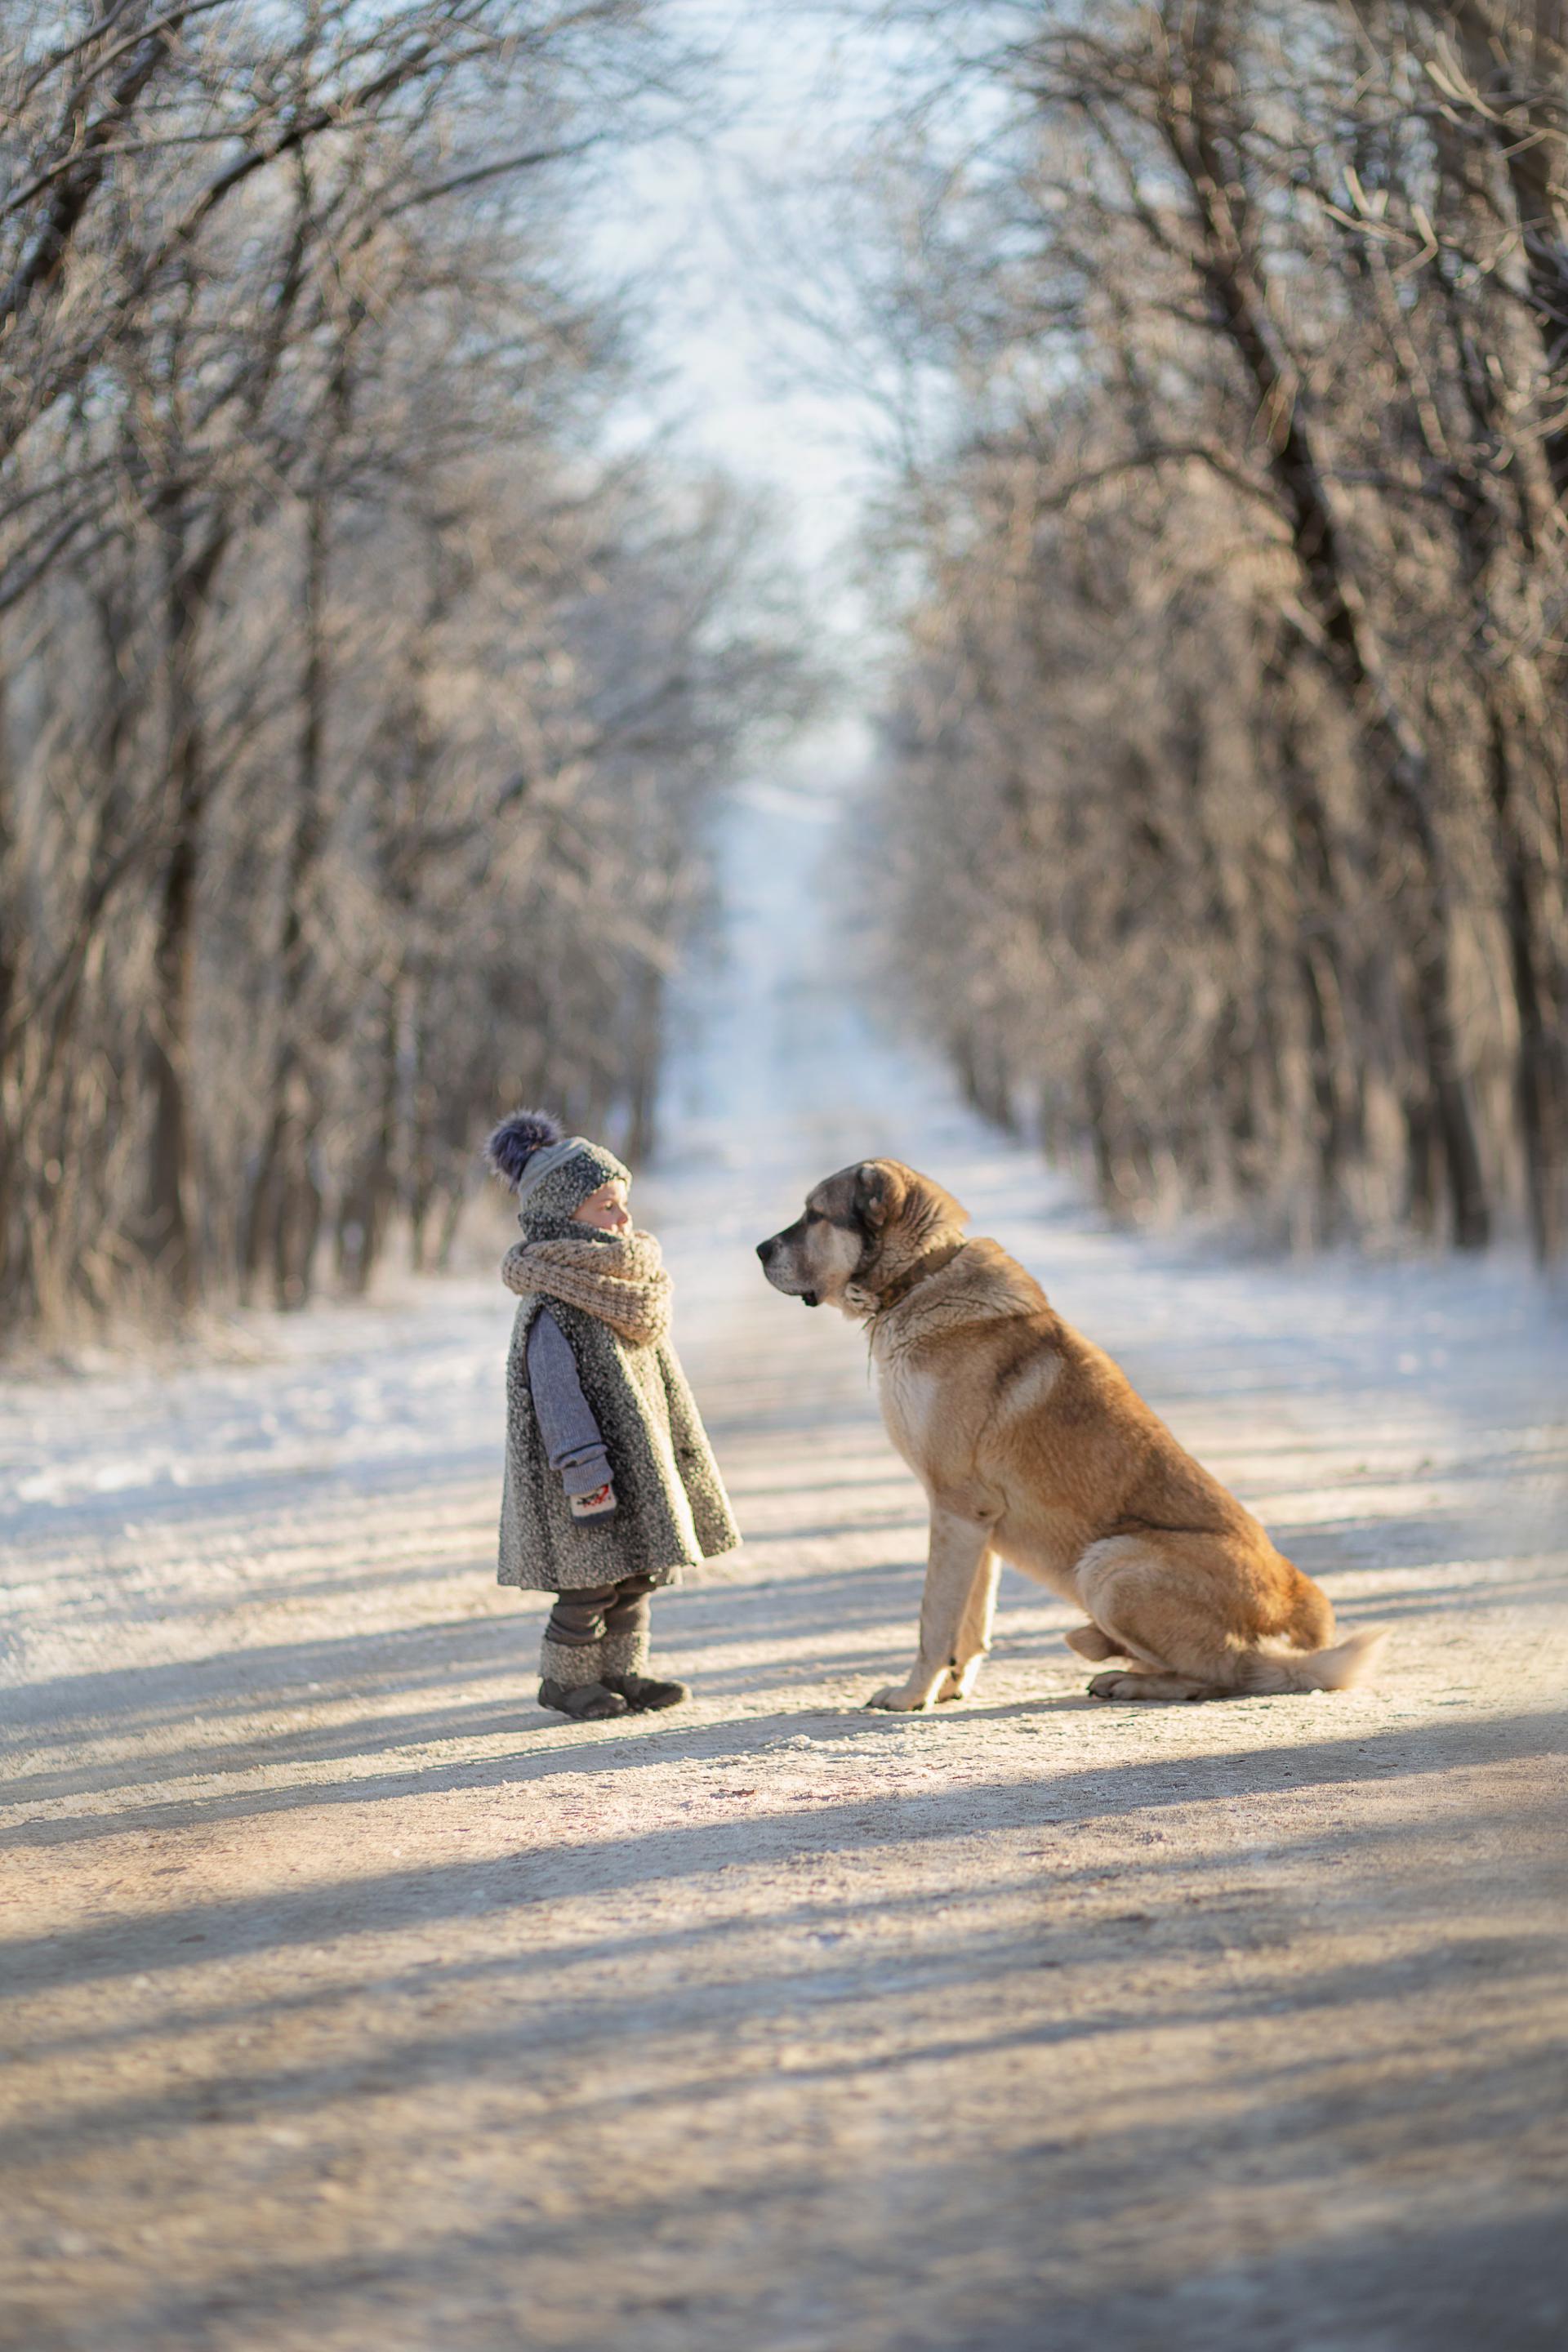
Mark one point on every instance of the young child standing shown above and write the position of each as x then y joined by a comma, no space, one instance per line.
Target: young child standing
611,1489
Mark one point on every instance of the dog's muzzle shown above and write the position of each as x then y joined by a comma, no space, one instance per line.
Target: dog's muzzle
767,1251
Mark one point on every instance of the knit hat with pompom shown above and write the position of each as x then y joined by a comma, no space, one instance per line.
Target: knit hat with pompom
551,1173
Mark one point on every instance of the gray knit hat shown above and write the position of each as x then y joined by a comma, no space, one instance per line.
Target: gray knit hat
553,1174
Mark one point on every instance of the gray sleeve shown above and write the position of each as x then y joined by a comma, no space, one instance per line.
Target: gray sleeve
566,1423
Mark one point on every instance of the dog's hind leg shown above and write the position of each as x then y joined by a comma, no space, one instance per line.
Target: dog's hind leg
954,1567
1091,1643
1153,1684
974,1633
1173,1648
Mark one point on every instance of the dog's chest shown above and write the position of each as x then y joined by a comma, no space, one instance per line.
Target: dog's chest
908,1394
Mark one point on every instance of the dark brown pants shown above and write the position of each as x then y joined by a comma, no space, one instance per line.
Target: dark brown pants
591,1611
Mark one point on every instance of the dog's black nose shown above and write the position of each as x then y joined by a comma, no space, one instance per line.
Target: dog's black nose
762,1249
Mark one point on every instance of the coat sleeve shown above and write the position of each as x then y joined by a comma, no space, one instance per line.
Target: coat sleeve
573,1442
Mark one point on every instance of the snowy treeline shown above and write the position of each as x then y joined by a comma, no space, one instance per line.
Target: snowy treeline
362,691
1225,778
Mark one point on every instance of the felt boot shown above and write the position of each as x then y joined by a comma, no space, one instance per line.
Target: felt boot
623,1657
572,1683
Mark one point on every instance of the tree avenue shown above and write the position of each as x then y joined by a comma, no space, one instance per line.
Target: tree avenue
360,706
1226,763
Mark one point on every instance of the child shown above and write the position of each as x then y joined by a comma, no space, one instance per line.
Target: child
611,1489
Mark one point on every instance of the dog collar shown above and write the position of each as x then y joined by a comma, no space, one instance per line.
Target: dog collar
922,1271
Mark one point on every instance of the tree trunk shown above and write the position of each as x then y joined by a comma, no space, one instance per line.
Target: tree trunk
1519,74
1507,500
1331,1077
648,1014
1539,1077
11,1305
365,1209
169,1235
286,1201
1342,638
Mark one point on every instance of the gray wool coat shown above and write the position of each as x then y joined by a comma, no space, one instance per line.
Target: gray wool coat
671,1510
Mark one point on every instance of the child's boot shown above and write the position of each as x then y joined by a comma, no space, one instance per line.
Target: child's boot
573,1683
623,1657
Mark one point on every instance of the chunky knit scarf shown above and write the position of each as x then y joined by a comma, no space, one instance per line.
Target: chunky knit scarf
619,1277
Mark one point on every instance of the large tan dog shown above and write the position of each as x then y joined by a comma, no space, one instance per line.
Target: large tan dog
1033,1447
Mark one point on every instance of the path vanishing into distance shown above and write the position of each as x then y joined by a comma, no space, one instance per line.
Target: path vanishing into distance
353,2004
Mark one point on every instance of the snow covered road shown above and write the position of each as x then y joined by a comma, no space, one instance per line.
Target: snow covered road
352,2002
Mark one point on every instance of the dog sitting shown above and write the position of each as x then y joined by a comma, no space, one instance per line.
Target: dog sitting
1032,1446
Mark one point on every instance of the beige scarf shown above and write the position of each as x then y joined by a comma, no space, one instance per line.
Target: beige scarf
619,1278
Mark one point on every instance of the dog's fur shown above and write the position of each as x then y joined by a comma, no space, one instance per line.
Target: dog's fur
1033,1447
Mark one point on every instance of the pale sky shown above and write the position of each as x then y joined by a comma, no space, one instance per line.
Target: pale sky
797,86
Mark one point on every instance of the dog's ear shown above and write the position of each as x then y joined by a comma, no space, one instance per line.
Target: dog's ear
872,1196
919,1205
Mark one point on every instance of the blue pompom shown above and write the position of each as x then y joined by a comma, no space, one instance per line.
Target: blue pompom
516,1140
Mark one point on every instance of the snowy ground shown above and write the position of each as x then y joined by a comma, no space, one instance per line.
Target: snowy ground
352,2002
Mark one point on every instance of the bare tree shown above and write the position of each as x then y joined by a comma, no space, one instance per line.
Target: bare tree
361,713
1252,490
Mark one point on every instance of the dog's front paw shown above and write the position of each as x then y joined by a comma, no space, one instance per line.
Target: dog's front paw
956,1683
900,1699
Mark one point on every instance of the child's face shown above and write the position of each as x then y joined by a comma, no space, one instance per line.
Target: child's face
606,1208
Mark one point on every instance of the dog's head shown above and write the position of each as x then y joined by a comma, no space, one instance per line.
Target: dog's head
860,1231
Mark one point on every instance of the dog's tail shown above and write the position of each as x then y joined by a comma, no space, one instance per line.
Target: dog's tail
1350,1661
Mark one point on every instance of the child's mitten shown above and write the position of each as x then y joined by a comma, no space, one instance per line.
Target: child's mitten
597,1506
